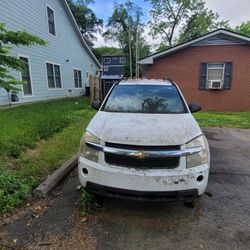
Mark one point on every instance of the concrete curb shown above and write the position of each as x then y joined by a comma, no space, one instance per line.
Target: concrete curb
53,180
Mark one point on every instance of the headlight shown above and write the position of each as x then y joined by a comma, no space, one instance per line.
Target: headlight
198,158
88,152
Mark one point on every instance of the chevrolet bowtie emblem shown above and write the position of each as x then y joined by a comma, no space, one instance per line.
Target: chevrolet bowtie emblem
141,155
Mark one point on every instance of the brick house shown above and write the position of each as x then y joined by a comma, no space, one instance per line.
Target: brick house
212,70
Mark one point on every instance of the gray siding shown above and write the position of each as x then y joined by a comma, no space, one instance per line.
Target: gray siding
31,16
219,40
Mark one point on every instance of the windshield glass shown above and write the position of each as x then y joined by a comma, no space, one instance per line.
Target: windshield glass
145,99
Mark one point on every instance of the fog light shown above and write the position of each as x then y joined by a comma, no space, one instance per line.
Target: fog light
85,171
200,178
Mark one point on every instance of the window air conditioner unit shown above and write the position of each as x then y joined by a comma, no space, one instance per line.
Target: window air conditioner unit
215,85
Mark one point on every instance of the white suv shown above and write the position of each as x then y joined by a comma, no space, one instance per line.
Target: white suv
144,143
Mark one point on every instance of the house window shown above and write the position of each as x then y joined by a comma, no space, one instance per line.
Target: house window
26,78
105,69
215,75
54,76
78,78
215,71
51,21
107,60
122,60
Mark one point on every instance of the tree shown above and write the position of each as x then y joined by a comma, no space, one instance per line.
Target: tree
181,20
7,61
86,19
243,28
125,27
104,50
200,24
162,46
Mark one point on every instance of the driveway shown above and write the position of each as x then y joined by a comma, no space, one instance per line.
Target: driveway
220,219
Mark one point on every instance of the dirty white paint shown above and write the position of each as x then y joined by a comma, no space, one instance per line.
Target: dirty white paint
144,180
144,129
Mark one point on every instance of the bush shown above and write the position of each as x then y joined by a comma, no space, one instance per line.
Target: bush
13,190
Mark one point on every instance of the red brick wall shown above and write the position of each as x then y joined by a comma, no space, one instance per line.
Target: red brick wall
184,68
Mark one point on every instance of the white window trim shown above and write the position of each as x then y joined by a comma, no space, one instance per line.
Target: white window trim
109,59
74,77
54,75
48,20
223,72
31,81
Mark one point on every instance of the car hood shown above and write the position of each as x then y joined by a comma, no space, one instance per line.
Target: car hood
144,129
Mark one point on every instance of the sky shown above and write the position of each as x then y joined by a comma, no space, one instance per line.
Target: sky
236,11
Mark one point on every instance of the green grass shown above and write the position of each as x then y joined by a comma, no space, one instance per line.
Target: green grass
223,119
38,141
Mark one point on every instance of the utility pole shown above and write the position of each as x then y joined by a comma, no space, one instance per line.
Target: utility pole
130,54
137,54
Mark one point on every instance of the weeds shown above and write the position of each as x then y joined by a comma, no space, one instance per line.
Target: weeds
23,126
13,190
51,131
88,203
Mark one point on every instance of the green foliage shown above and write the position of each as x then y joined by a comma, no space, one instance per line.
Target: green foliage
162,46
13,190
243,28
188,17
34,165
86,19
87,203
104,50
126,28
201,23
223,119
37,121
8,62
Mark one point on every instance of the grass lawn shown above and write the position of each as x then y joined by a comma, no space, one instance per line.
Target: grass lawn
36,139
223,119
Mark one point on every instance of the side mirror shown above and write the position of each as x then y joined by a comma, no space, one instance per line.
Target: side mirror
96,105
194,107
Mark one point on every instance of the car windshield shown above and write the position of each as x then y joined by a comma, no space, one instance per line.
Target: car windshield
145,99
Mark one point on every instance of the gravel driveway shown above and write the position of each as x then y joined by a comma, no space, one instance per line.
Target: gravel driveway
220,220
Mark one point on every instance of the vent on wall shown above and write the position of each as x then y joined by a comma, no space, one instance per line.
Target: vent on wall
215,85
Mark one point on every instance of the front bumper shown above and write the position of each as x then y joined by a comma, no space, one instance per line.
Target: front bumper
149,180
185,195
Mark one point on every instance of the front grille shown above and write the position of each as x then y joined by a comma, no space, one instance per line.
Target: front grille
142,163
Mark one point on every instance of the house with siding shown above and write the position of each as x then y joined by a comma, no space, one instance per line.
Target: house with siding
212,70
61,68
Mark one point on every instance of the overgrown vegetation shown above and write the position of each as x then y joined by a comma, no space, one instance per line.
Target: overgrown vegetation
34,140
223,119
88,203
13,190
